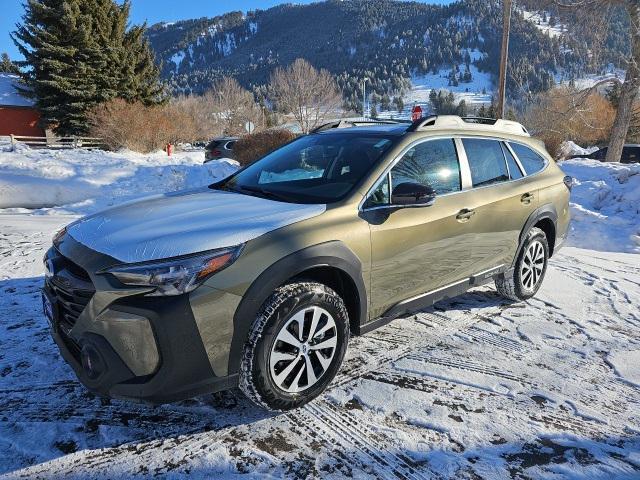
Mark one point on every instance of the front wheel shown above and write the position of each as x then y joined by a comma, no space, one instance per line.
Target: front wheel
531,266
295,347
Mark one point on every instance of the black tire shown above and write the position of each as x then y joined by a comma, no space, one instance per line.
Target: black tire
512,285
255,376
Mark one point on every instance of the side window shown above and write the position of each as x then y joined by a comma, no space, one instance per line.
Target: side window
514,169
434,163
531,161
486,161
380,195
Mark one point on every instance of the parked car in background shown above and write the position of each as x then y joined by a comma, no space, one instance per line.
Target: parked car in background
219,148
630,154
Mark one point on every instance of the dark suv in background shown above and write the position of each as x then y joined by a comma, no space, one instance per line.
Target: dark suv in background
219,148
630,154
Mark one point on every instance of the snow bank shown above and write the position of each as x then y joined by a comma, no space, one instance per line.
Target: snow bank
570,149
83,181
605,205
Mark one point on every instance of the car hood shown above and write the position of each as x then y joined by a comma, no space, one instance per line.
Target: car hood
183,223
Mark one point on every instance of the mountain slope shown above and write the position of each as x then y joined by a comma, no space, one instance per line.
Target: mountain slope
386,41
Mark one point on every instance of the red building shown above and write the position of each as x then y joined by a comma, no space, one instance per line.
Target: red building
18,115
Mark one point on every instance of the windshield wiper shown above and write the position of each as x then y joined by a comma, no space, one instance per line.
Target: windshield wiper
254,191
265,193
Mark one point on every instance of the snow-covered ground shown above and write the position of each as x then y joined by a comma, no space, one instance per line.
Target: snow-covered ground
541,20
474,388
475,93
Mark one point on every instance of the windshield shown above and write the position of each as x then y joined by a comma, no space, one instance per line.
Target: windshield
312,169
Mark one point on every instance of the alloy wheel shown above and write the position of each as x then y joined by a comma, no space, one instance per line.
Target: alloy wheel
532,267
303,350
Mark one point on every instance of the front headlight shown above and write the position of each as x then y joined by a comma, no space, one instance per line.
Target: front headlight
57,238
175,276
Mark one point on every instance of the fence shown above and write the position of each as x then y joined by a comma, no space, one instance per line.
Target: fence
58,142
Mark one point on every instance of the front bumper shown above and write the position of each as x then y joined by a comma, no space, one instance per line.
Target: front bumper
122,344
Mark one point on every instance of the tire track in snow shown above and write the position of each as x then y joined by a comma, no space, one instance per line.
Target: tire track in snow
383,459
483,336
469,366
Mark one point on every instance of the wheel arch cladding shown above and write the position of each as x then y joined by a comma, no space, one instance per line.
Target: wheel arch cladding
332,261
548,226
341,283
545,218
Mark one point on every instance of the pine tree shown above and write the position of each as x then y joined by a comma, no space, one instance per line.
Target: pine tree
6,65
373,113
78,54
399,103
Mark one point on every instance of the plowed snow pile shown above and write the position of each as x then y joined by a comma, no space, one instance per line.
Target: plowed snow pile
83,181
605,205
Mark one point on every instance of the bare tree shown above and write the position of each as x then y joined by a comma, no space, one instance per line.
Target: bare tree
202,121
592,11
311,96
233,106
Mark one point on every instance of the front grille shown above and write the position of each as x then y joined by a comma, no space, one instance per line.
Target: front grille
71,303
73,289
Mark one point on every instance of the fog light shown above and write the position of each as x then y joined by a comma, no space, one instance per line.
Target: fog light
91,362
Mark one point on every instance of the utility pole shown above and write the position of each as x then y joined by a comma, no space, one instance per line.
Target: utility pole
364,98
504,57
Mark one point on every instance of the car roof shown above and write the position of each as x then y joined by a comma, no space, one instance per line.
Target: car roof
435,123
223,139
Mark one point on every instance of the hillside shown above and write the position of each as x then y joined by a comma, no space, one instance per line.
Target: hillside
389,42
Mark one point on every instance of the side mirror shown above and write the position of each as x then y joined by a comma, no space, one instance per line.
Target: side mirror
413,194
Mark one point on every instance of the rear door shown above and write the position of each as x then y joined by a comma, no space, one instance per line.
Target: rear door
418,250
502,200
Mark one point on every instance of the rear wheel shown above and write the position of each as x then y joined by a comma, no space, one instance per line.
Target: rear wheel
295,347
531,266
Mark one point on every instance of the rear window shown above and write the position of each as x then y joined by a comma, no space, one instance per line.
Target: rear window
514,169
486,161
531,161
213,144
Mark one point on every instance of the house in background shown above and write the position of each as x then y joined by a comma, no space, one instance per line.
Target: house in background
18,115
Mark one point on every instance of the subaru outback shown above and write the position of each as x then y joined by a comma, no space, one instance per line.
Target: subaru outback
259,280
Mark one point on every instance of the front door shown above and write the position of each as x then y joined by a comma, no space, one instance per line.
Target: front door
419,249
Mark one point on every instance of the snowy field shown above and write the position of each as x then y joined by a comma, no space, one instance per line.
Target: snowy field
475,388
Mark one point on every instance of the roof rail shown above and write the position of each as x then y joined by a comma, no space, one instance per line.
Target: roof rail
470,123
422,122
354,123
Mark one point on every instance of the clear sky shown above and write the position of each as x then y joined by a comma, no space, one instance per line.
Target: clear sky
152,11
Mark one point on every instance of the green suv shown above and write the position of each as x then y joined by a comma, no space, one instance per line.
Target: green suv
259,280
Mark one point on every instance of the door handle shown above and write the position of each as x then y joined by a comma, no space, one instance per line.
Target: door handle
526,198
465,215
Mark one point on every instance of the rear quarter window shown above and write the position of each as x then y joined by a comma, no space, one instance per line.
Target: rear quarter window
531,161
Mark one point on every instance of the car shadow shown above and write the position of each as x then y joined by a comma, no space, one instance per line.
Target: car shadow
481,297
